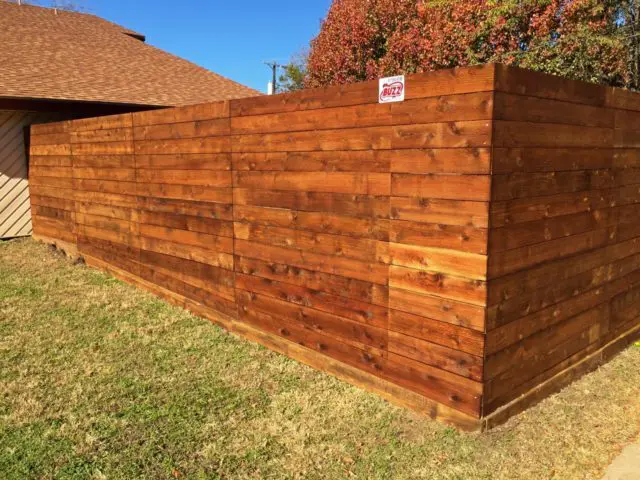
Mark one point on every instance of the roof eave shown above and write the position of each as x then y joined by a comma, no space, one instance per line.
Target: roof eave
70,105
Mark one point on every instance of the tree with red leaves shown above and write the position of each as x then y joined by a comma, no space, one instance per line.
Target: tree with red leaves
590,40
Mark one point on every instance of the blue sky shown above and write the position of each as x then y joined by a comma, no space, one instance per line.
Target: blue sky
232,38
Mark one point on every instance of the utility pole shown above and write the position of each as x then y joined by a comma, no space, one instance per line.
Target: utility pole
274,71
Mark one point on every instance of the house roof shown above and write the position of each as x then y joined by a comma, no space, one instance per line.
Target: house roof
60,55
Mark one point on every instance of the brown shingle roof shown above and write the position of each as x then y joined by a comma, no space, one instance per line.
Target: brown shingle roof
76,56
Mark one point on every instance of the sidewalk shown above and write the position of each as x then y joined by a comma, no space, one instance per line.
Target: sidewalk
626,466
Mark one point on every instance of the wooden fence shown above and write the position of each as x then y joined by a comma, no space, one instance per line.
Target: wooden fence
471,248
564,246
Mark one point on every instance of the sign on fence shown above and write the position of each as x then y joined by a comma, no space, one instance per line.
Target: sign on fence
391,89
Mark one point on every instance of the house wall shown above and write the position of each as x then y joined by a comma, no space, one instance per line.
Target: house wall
15,213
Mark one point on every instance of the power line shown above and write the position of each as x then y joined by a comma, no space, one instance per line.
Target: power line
274,71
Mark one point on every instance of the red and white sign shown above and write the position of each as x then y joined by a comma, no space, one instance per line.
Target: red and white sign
391,89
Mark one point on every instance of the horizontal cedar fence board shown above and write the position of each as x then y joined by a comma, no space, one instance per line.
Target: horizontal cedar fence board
181,145
469,265
619,98
200,128
186,207
535,84
360,206
211,178
523,108
330,182
334,161
123,174
453,187
351,332
438,284
191,113
123,134
318,222
528,185
440,211
51,149
466,246
524,210
626,119
58,203
103,161
463,238
97,124
476,133
540,85
185,161
430,160
50,161
39,129
51,139
350,247
509,133
200,193
431,354
51,171
103,148
551,159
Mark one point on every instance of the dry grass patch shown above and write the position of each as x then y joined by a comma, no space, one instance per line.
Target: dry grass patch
100,380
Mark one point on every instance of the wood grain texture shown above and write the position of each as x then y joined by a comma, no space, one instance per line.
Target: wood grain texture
563,269
471,245
356,229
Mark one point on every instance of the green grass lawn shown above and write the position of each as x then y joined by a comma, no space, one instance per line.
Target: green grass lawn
100,380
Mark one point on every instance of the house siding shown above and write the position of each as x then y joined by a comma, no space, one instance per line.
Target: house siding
15,209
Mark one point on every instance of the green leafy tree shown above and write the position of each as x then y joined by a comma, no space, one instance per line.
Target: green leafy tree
294,74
